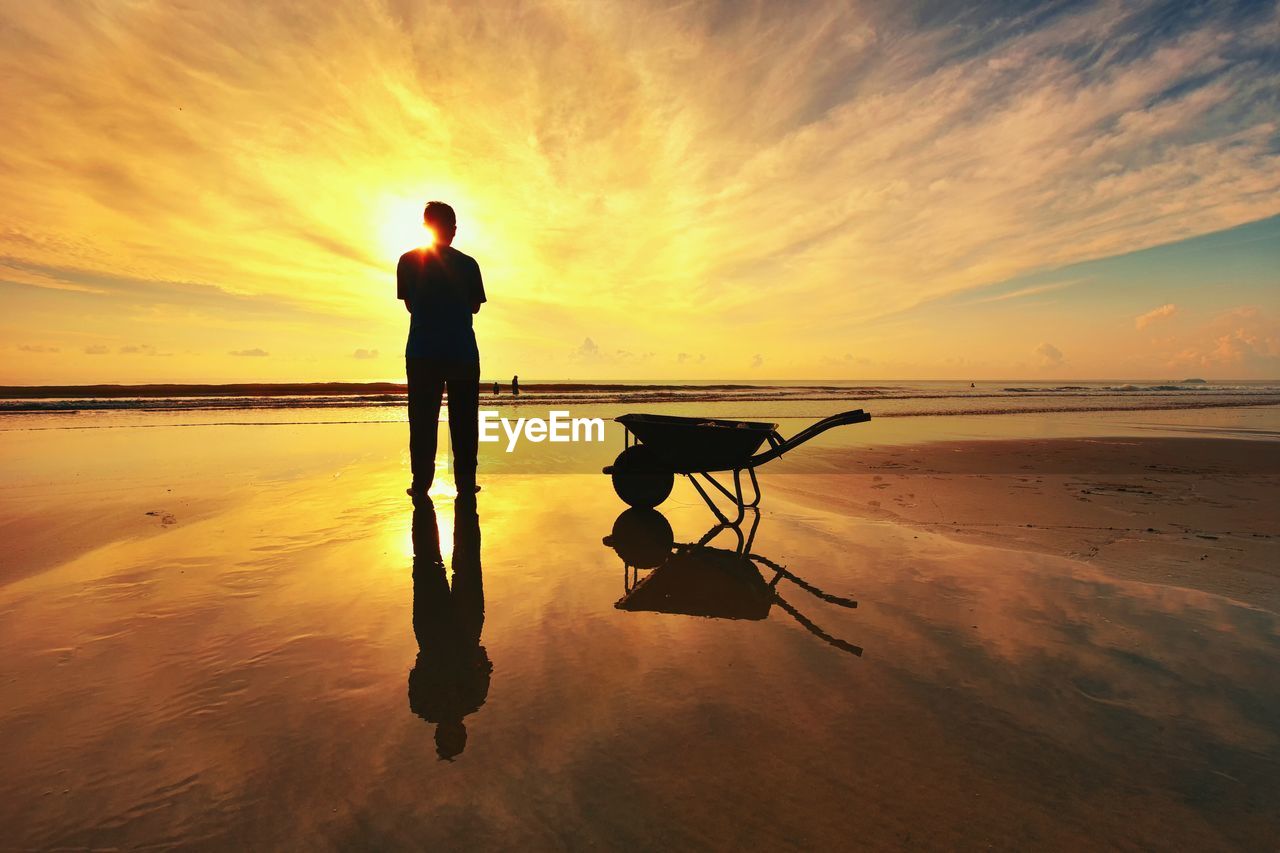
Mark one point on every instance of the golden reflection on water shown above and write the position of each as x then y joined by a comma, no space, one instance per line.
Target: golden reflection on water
243,676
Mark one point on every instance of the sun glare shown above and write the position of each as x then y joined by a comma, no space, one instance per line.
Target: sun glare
400,228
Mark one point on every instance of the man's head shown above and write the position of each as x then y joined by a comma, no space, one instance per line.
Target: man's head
442,221
451,739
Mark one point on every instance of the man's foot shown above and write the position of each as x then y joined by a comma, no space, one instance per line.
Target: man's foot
418,494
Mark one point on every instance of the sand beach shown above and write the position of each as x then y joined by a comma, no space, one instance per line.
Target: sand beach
210,642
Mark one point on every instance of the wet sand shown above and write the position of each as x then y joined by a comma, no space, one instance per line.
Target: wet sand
1194,512
261,663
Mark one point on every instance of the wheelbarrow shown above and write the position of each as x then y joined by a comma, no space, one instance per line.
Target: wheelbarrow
657,447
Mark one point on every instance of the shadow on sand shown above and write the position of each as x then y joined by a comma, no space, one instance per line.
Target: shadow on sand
697,579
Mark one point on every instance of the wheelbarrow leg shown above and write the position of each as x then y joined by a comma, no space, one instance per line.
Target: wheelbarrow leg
719,528
736,494
737,499
755,487
706,498
751,537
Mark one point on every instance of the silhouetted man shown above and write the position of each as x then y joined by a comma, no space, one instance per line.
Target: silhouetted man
441,289
450,678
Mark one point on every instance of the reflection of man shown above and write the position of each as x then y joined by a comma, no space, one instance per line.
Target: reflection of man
441,289
450,678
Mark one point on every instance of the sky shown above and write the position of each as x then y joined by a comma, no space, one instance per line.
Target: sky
218,192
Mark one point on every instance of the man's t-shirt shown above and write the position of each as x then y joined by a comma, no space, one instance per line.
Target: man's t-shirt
440,286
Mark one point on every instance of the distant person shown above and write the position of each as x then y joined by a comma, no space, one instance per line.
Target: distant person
450,676
496,389
441,289
515,386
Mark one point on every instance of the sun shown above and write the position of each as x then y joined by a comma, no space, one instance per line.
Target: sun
393,222
398,227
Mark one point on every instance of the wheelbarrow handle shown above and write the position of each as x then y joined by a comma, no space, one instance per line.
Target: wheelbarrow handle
812,628
802,583
779,446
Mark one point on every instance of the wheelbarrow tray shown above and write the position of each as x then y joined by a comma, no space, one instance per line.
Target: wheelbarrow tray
689,445
702,581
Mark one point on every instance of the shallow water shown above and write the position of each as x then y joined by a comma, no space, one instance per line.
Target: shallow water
239,669
762,400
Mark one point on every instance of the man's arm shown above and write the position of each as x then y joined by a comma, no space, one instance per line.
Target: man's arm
403,283
477,290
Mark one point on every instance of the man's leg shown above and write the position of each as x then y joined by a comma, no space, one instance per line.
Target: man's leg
464,426
425,387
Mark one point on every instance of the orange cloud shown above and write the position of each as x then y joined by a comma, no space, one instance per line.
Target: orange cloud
1155,314
1243,342
1049,355
248,171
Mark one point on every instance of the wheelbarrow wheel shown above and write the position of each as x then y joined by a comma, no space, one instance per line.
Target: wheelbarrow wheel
642,538
640,479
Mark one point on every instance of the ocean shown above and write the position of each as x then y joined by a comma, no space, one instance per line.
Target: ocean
110,406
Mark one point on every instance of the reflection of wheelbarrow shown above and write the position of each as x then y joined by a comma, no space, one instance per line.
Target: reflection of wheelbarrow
665,445
699,580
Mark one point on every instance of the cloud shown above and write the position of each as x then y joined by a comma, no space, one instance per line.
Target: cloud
96,349
588,351
1251,352
1154,315
846,361
916,155
1244,348
365,353
757,360
1049,355
141,349
1022,293
1242,343
591,353
98,287
256,352
37,348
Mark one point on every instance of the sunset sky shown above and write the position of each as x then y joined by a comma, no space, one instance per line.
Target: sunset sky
219,191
